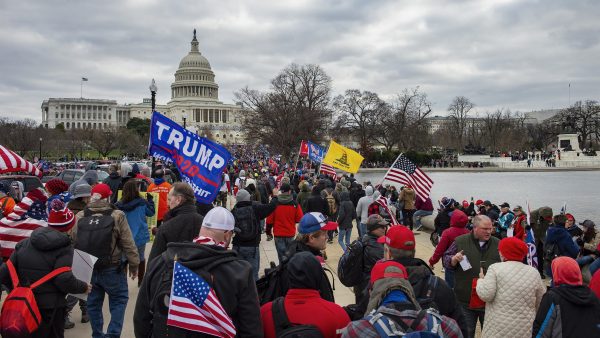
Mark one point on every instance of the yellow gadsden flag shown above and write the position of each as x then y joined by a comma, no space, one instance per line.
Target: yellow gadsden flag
343,158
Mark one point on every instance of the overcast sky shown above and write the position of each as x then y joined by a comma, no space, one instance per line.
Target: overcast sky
520,55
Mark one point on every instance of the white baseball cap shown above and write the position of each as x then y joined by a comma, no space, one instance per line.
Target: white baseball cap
219,218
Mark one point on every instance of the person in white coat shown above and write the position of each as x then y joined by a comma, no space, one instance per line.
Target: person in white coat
512,292
362,210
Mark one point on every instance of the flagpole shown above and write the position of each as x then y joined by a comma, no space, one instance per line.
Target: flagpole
81,88
388,171
297,158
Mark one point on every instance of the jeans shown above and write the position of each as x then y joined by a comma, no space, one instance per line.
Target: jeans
471,317
344,238
595,266
142,252
417,217
251,255
281,245
112,281
362,229
449,277
584,260
407,214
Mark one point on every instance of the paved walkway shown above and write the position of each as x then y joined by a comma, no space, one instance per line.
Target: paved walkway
343,295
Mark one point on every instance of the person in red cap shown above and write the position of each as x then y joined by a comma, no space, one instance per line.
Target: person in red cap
458,223
48,248
104,232
569,309
393,306
512,292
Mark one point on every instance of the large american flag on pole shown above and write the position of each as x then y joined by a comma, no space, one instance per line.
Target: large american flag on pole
405,172
194,306
328,170
11,162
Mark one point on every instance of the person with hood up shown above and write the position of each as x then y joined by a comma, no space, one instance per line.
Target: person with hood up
303,195
57,189
458,224
113,181
512,292
207,255
356,192
7,203
181,224
569,309
161,187
346,215
302,303
362,210
90,177
54,247
442,219
136,210
393,300
559,237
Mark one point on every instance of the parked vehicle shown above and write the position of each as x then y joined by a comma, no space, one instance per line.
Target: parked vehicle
72,175
29,182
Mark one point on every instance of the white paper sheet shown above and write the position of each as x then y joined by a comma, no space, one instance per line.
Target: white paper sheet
510,232
465,264
83,267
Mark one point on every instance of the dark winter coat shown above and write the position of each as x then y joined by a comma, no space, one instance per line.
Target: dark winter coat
559,235
355,193
181,224
372,253
232,282
261,211
35,257
325,288
316,203
114,181
346,212
442,220
568,311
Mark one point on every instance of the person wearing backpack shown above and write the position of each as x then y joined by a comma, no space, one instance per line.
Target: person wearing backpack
229,276
430,291
394,311
248,215
283,221
558,243
102,231
346,215
47,249
302,309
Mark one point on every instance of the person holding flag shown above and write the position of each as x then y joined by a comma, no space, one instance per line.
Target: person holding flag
211,290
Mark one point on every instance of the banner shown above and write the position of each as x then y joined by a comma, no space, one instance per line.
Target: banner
200,161
343,158
315,152
303,148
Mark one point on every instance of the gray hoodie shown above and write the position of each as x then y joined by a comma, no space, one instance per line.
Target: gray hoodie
362,208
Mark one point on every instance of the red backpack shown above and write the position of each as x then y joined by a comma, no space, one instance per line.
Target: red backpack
20,316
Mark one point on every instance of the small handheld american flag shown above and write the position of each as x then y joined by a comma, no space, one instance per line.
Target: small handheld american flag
328,170
194,306
405,172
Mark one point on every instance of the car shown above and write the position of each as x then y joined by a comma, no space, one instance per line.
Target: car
72,175
29,182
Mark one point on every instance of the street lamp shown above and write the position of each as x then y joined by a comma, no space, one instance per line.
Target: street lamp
153,90
184,119
40,158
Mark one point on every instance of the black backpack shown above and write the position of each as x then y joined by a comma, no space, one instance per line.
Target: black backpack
551,251
159,306
273,284
285,329
246,221
350,266
95,235
426,298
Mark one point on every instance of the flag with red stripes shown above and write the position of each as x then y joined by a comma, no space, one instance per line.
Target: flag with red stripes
328,170
382,201
194,306
11,162
405,172
17,226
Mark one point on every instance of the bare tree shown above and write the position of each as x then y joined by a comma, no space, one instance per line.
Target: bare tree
103,140
583,118
295,108
459,112
362,112
408,120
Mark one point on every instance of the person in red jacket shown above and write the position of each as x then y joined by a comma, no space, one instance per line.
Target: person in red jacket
302,303
519,224
283,220
458,223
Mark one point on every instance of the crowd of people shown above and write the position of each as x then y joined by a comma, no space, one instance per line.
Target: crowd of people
495,258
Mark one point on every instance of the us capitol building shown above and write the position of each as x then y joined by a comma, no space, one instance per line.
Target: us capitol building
194,103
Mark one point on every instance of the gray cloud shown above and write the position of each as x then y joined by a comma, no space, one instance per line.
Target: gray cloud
512,54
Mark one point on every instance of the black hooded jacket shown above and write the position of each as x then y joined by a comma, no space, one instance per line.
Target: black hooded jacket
568,311
181,224
232,282
325,288
46,250
346,212
114,181
261,211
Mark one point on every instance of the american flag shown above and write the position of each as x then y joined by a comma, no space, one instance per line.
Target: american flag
382,201
26,216
405,172
328,170
11,162
194,306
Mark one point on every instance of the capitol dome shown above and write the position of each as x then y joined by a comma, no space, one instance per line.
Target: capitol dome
194,80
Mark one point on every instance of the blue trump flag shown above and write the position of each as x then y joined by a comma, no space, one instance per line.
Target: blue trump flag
315,152
200,161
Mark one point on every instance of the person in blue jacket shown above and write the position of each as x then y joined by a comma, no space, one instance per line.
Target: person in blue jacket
558,234
136,210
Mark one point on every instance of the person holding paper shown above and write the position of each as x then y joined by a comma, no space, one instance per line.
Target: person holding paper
54,246
466,256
